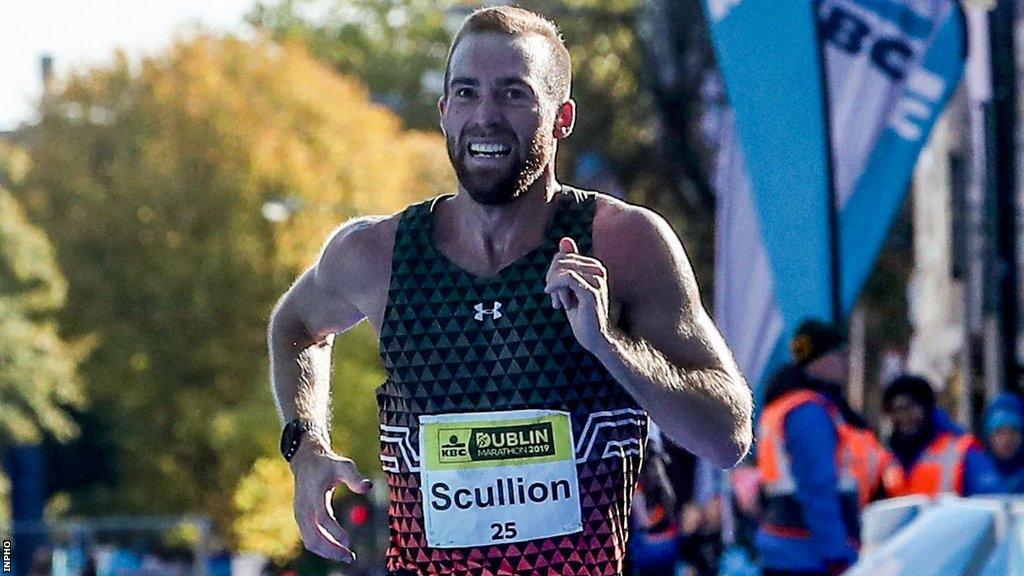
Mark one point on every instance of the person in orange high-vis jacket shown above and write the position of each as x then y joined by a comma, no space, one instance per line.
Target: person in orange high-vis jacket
870,461
779,487
809,494
819,462
932,455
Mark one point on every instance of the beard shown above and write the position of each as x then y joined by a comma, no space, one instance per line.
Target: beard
497,187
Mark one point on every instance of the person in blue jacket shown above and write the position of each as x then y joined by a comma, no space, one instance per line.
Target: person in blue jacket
825,543
1004,424
918,423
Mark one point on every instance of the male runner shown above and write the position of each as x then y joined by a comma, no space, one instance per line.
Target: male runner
527,329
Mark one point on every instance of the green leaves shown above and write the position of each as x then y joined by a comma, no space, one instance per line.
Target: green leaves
30,281
391,45
150,178
38,380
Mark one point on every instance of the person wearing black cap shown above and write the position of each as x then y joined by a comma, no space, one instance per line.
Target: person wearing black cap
814,458
932,454
821,355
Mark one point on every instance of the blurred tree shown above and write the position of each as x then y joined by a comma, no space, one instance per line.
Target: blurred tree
266,522
38,369
150,177
38,382
395,47
30,280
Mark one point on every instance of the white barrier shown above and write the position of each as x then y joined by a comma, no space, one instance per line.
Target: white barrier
949,536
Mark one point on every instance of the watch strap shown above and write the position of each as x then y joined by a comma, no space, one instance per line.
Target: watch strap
291,436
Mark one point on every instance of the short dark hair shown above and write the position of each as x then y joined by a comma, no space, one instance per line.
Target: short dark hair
814,339
519,22
916,388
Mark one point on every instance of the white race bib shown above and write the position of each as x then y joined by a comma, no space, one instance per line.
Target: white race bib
498,477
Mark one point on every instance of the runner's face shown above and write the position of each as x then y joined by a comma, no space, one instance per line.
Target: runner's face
497,118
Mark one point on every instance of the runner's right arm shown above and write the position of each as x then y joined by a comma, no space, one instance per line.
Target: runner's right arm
300,339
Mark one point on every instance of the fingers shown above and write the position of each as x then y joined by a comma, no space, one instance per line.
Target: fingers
581,287
563,298
582,264
591,273
345,471
329,526
569,257
321,533
320,530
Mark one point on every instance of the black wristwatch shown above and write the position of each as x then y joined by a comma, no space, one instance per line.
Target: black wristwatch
291,436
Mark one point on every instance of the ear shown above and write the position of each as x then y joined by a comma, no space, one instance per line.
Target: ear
441,105
565,119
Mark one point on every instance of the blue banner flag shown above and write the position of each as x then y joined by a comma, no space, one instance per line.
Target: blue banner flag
884,70
892,68
768,55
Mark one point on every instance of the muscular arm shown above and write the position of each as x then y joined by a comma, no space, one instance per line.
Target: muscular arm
671,357
303,325
699,408
323,301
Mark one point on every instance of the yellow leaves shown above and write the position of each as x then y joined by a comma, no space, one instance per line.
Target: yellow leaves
156,213
265,522
33,282
145,214
183,535
14,163
139,362
38,379
286,126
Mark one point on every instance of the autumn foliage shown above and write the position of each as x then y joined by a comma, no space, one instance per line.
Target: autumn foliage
149,177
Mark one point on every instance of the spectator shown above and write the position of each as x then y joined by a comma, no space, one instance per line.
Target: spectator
820,350
1004,421
698,512
810,491
654,541
932,454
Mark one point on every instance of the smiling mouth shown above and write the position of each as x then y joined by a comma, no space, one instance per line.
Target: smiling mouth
489,150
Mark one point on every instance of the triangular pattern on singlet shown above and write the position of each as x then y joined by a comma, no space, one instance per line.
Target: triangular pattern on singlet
440,358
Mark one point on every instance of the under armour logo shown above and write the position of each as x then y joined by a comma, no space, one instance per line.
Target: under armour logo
480,311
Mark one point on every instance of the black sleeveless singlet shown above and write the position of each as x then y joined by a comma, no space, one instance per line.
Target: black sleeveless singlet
508,448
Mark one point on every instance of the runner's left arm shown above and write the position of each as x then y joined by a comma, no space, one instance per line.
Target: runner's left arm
670,356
